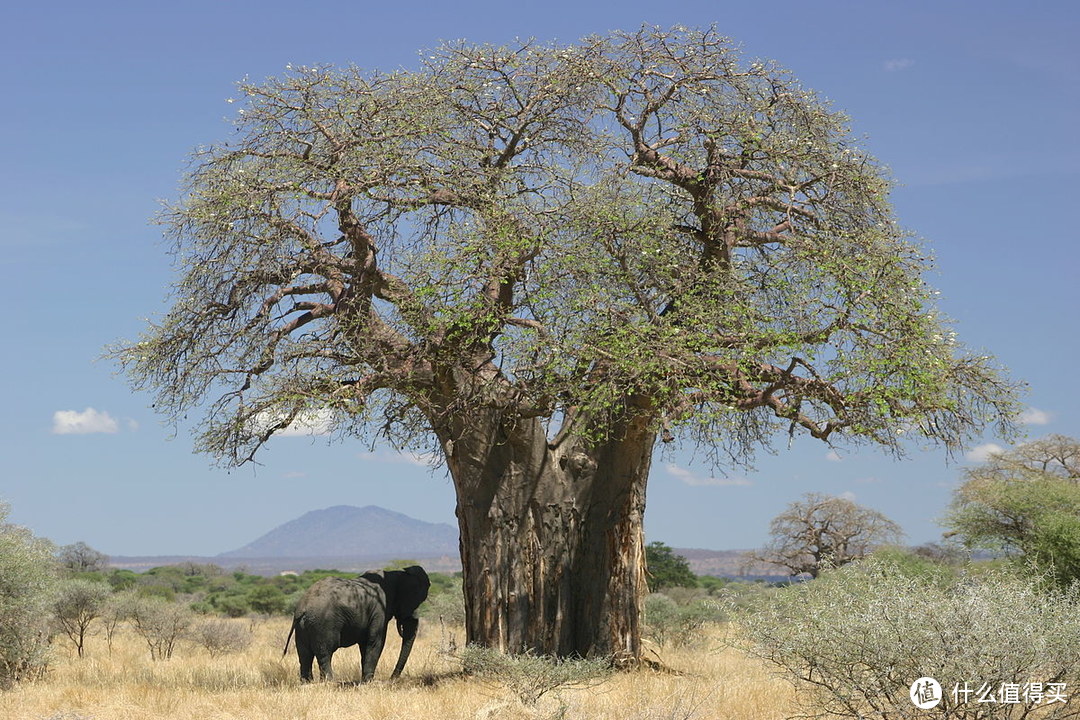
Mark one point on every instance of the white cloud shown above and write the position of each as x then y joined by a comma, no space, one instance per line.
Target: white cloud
982,453
898,64
424,460
1035,416
314,422
833,456
690,478
89,421
849,496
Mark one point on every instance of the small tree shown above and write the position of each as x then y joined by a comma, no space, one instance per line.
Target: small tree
666,569
76,605
118,608
1025,503
80,558
161,624
27,577
822,530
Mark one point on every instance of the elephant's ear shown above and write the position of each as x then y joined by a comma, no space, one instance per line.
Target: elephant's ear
412,591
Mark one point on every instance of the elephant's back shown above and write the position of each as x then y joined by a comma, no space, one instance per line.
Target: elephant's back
337,592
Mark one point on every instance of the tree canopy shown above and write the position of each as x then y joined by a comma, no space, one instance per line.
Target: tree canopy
540,260
1025,502
666,568
551,230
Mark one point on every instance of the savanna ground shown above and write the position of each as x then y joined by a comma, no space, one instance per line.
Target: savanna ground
704,682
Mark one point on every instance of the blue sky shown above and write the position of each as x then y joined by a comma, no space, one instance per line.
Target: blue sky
974,105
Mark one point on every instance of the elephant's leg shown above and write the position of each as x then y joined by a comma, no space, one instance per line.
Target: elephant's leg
306,659
306,656
369,656
325,668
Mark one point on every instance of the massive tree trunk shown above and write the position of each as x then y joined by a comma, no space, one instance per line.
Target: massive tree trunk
551,535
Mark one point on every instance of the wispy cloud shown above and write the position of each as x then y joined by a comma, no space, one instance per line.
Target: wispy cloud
424,460
1035,416
982,453
691,478
316,422
87,422
833,456
898,64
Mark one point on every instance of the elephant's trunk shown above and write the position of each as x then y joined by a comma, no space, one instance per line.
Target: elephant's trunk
407,629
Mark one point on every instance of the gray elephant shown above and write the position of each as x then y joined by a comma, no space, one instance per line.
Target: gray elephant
339,612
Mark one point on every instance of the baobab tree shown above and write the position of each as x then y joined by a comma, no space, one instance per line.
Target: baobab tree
821,531
542,261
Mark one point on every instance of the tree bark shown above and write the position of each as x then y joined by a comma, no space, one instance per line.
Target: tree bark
552,544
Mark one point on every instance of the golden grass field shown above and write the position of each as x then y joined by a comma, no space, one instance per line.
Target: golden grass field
703,683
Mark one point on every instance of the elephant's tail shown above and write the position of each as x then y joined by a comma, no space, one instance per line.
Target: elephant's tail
289,638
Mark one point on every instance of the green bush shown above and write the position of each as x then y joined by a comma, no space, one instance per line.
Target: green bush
668,621
854,642
267,600
528,676
27,579
447,606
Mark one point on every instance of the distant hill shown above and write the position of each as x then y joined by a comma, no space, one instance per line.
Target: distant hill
730,564
347,531
352,539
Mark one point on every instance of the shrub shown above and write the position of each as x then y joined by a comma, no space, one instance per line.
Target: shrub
221,637
855,641
669,621
267,600
529,676
447,606
27,577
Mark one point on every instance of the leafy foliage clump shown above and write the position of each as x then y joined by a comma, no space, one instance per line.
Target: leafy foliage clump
27,577
666,568
1025,503
678,624
855,640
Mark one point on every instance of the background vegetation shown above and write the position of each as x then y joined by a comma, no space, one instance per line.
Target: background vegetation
1000,633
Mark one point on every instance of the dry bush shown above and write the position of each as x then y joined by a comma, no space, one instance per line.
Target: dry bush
529,677
855,641
161,624
221,637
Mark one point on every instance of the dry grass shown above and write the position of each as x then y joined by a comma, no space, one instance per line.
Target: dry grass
708,683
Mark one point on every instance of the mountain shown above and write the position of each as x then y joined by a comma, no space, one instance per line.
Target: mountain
345,531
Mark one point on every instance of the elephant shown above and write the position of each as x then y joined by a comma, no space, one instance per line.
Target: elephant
338,612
